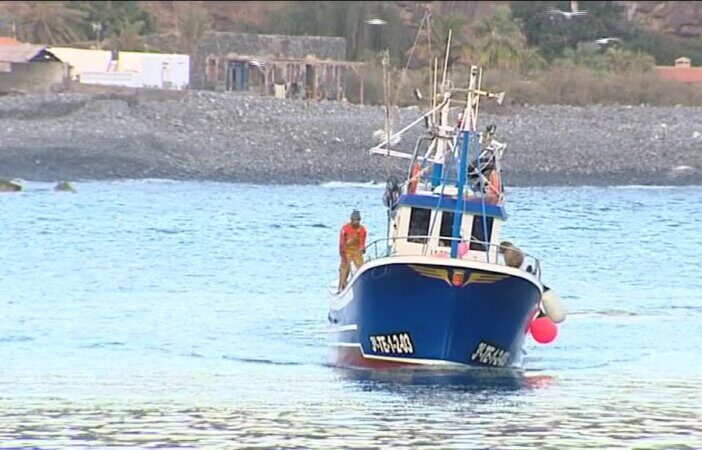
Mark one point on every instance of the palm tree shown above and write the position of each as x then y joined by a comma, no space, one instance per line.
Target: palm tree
620,60
460,49
584,55
192,26
500,40
356,28
52,23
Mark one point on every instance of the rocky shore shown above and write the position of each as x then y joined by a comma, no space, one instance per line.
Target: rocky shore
242,138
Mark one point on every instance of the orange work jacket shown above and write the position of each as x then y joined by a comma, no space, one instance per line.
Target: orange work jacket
352,239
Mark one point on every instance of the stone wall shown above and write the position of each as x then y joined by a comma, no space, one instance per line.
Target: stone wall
223,43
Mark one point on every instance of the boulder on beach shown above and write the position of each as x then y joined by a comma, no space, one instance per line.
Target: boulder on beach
64,186
9,186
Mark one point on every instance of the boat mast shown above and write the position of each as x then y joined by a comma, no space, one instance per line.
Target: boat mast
468,130
468,127
443,129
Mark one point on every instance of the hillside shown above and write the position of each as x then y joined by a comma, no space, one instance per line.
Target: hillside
226,16
682,19
666,26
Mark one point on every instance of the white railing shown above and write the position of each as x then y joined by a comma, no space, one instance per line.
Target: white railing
382,248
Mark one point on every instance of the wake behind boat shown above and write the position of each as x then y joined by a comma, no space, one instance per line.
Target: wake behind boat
442,289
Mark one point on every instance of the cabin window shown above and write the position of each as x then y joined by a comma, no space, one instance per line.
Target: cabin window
419,225
446,229
478,236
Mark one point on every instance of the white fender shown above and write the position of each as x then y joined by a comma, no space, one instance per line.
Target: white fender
553,306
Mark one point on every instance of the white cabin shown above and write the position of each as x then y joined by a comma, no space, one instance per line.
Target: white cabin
423,225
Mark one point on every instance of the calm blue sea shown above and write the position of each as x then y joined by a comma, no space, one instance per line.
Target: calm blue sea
143,314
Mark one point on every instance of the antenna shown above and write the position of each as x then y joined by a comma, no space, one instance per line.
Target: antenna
446,58
386,92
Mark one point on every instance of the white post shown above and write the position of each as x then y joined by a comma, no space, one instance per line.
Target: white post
446,58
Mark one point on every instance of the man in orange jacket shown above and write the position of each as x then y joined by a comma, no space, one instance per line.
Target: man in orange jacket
352,244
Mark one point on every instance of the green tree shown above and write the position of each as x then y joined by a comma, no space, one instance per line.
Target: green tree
129,37
664,48
461,50
531,60
616,60
584,55
52,23
552,34
114,17
626,61
500,41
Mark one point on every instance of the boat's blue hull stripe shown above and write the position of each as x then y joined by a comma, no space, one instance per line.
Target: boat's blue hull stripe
444,203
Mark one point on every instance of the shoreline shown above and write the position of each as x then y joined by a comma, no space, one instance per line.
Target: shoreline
230,137
42,185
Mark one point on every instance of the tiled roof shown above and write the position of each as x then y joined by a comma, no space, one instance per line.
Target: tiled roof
19,53
5,40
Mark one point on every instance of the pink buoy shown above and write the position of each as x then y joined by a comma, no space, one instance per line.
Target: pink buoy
543,330
462,249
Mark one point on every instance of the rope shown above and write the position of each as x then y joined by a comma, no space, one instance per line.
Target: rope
444,179
409,59
445,172
482,201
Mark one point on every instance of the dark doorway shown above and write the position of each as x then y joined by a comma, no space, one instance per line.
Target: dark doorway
237,76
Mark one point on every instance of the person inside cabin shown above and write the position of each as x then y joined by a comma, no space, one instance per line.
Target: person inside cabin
352,244
512,255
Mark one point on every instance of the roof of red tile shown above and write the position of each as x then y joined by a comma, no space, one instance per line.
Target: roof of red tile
5,40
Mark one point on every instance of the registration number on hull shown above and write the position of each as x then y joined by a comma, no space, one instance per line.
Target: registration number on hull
490,355
397,343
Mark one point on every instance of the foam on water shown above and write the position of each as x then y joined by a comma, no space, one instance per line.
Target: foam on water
350,184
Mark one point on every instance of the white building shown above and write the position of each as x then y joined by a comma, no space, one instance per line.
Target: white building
130,69
82,60
156,70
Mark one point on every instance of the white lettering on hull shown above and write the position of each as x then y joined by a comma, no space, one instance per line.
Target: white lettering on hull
398,344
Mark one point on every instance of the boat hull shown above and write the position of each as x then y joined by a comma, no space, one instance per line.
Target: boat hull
433,312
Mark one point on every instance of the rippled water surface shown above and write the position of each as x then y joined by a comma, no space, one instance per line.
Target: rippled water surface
171,314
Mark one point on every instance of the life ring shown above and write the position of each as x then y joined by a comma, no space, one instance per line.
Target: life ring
414,179
494,190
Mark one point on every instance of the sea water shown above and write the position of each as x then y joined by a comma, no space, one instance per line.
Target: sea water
143,314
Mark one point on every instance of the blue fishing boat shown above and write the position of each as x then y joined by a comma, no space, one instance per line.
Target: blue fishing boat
442,289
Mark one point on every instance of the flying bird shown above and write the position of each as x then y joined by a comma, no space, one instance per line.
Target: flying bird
607,40
566,14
